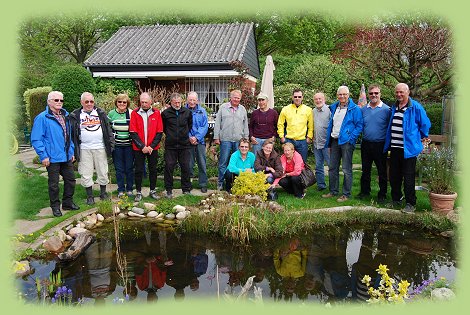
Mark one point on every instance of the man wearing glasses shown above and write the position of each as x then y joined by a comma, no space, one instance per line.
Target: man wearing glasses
94,143
295,124
376,117
51,139
263,123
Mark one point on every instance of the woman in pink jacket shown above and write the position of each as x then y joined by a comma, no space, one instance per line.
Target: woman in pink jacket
292,164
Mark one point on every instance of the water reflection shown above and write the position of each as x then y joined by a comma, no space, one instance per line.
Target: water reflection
325,266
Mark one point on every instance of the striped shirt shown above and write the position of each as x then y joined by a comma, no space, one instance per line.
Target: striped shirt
120,126
397,128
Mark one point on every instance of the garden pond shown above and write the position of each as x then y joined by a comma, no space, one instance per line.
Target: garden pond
323,266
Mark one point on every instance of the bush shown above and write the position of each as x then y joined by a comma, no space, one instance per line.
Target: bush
434,112
127,86
35,101
283,95
250,183
72,81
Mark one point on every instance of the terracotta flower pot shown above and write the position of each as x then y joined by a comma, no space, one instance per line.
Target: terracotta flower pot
442,204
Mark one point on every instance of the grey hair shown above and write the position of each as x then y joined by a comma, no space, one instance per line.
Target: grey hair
343,87
85,94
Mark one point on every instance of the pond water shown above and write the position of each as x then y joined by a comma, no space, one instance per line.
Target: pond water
324,266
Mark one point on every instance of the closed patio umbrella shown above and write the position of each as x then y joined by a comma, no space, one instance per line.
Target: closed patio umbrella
267,80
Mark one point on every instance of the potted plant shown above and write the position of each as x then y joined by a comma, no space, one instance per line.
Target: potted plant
438,167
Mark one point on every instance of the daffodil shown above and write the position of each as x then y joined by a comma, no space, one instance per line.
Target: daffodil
382,269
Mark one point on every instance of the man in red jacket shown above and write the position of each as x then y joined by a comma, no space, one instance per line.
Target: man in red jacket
146,130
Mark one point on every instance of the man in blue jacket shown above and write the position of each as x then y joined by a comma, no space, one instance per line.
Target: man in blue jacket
345,125
196,137
408,128
51,139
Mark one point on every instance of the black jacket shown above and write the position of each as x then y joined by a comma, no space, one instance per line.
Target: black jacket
177,127
108,136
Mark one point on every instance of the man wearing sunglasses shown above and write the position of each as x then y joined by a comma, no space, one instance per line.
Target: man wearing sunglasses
376,116
295,124
51,139
94,143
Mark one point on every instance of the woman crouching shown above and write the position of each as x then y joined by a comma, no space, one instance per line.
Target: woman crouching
293,165
241,160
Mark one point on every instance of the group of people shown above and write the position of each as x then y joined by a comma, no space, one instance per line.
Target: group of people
334,131
89,135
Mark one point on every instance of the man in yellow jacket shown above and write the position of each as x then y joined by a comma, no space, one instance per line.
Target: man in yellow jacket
295,124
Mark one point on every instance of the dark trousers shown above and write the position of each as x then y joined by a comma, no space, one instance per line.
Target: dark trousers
123,158
65,169
402,170
292,185
373,152
139,162
229,179
172,157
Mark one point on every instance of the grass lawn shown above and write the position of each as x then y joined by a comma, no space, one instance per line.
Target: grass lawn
32,193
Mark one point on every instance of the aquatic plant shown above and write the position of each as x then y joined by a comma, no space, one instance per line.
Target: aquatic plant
388,290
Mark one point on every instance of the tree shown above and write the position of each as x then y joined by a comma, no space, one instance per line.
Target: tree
417,53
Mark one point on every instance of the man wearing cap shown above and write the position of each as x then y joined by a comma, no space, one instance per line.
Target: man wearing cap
263,123
51,139
295,124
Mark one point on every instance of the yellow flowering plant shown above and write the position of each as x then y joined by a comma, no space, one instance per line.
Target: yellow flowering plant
388,290
249,183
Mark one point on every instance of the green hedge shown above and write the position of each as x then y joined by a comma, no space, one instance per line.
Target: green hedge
35,102
72,81
127,86
434,112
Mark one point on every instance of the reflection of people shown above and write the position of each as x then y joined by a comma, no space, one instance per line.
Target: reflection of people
196,137
231,125
123,155
51,139
94,143
99,258
408,127
263,123
299,124
344,128
241,160
152,276
290,261
293,165
177,123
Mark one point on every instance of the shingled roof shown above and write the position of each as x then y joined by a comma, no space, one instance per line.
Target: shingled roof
177,47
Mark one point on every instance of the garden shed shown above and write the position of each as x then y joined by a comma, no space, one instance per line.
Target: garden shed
197,57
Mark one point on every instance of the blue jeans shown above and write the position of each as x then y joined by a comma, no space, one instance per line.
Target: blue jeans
321,156
340,153
197,153
300,146
123,158
226,150
257,147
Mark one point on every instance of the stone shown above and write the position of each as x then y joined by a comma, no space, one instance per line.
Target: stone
116,210
149,206
77,230
22,268
68,227
179,208
122,215
62,236
160,215
449,233
69,238
442,294
80,225
170,216
181,215
152,214
220,199
100,217
158,220
138,210
133,214
207,211
53,244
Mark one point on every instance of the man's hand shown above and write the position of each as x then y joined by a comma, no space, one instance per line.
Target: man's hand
73,158
193,140
309,140
216,141
283,140
46,162
253,140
